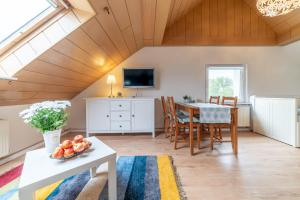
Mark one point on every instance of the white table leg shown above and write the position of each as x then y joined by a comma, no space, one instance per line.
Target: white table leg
25,194
112,179
93,172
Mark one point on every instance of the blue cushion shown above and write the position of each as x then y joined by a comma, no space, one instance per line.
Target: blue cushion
186,119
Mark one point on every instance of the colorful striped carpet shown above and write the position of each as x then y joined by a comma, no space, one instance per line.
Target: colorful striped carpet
138,178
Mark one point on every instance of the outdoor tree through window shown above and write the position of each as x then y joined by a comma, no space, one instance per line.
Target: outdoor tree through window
226,80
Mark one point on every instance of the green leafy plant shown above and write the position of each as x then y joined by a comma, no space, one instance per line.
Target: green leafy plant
46,116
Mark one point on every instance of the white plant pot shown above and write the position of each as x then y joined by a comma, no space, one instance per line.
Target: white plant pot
52,140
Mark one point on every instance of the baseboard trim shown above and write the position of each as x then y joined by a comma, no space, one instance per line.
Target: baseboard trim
22,152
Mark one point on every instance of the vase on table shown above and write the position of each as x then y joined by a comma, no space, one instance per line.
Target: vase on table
52,140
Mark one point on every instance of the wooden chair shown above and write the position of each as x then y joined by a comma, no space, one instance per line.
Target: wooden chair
180,123
214,99
227,101
166,118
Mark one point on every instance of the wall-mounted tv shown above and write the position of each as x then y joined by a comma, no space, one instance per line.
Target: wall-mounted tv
138,77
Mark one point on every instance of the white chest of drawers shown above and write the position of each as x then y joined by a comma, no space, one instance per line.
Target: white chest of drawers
120,115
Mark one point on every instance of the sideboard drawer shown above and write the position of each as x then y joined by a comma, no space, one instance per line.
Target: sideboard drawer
120,116
120,105
120,125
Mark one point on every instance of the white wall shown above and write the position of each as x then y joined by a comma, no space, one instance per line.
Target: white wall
21,134
272,71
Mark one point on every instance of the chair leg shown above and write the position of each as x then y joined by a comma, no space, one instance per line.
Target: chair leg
176,137
220,135
211,132
199,136
166,125
172,132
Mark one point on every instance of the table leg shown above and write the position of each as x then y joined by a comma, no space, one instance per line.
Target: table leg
234,132
191,132
26,194
211,134
112,179
93,172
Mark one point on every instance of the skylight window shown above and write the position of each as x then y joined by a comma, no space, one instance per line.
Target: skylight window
16,17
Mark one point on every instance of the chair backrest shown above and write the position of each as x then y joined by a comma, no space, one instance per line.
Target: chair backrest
164,105
229,101
214,99
172,108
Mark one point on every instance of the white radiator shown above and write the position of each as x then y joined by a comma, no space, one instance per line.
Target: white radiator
244,116
4,138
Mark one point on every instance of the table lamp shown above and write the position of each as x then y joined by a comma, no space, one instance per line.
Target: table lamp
111,79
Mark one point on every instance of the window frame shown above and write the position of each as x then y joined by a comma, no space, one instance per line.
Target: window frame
36,23
244,79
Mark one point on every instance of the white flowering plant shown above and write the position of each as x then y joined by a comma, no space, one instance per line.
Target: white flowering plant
47,115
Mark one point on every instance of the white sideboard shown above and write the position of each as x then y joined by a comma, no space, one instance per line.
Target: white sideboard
277,118
120,115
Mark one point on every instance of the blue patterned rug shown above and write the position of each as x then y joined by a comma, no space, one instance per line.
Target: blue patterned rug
138,178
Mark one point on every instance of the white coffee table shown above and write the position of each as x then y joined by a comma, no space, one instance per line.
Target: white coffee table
40,170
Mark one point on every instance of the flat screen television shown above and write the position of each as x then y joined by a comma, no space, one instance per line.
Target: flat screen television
138,78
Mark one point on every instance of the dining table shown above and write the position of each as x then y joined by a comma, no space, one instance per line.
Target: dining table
214,115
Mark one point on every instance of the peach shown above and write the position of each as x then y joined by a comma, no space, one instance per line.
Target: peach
67,144
69,152
78,147
78,138
58,152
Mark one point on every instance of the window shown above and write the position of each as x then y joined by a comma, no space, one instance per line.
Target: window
226,80
16,17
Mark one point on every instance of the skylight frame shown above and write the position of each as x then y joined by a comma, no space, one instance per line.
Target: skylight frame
30,26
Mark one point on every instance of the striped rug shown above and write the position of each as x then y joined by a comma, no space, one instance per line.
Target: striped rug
138,178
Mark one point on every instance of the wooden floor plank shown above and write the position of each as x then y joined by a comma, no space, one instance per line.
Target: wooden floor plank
264,169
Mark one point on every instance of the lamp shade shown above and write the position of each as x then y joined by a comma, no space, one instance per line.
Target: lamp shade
111,79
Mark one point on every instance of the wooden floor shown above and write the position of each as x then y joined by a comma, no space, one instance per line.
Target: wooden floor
264,168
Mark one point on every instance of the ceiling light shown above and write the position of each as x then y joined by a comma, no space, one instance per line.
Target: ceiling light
274,8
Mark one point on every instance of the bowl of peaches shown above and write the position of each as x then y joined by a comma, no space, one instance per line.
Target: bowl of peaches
71,148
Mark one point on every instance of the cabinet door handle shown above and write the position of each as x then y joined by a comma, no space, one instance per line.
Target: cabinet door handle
120,126
120,105
132,115
120,115
107,115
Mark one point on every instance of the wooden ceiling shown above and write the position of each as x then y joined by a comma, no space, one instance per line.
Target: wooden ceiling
227,22
108,38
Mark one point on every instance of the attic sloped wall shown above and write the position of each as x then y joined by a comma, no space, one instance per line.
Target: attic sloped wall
272,71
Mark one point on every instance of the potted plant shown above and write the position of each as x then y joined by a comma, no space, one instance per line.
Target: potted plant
48,117
187,99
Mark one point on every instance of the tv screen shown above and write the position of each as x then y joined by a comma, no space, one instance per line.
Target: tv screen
138,78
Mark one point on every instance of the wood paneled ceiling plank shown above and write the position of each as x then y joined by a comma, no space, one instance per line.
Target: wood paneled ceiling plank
67,48
280,24
38,97
163,8
134,8
34,77
94,29
110,26
175,12
290,36
96,52
229,22
16,95
65,62
120,13
35,87
149,13
54,70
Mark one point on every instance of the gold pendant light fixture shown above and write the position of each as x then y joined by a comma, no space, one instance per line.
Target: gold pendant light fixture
274,8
